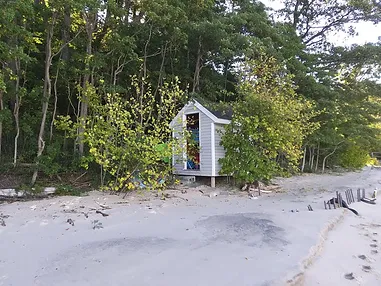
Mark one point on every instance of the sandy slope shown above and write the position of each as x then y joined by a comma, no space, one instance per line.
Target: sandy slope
223,240
351,248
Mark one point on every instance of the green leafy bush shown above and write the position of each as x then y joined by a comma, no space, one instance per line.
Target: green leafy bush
67,190
269,124
129,136
354,157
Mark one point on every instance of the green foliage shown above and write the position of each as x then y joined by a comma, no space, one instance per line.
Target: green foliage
269,124
33,191
6,118
55,160
204,43
124,135
68,190
354,157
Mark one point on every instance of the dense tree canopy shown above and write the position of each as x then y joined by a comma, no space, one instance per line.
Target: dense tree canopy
56,56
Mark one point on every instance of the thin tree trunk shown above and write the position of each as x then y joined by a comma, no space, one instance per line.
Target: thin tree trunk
46,95
119,69
159,83
312,156
317,158
146,54
90,20
64,145
1,122
127,8
78,138
16,111
304,159
112,75
296,14
66,33
187,84
55,105
143,80
160,78
330,154
196,76
226,76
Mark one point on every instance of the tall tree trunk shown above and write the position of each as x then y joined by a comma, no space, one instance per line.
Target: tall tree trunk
46,95
55,105
144,77
1,122
90,19
226,78
317,158
127,8
16,110
304,160
196,76
66,34
311,161
296,14
161,71
187,84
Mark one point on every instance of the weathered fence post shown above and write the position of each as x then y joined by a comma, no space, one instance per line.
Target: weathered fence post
353,198
337,196
340,201
346,195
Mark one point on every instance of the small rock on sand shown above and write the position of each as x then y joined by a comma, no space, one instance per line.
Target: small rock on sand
366,268
349,276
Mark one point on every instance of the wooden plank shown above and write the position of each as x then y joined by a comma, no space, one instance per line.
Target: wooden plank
340,201
346,195
353,198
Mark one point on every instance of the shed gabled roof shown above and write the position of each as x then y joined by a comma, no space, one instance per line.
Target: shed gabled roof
216,115
221,111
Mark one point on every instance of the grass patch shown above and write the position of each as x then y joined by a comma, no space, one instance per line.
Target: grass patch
68,190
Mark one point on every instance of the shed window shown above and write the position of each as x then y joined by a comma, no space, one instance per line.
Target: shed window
193,143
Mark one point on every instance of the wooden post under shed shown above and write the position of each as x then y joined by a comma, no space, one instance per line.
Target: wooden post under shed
213,182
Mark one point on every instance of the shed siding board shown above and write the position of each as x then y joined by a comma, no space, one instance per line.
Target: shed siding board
220,151
205,144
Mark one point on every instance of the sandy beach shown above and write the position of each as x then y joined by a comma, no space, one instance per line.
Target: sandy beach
352,248
195,238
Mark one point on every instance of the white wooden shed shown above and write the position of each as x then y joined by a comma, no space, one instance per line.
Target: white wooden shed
203,123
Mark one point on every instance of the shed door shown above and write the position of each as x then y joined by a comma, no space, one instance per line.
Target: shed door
193,143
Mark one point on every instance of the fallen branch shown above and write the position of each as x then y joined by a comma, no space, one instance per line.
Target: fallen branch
105,207
121,203
80,177
102,213
368,201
